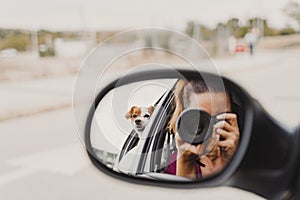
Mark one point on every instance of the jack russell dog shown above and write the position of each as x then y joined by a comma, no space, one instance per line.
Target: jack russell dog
139,117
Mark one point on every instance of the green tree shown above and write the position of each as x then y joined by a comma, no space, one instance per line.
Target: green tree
263,25
236,29
233,25
206,33
18,41
287,31
292,9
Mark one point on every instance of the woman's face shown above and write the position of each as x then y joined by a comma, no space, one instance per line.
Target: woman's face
212,103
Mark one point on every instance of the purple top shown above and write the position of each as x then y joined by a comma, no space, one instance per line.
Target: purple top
171,168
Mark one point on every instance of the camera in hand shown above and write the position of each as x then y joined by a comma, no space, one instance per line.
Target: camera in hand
195,126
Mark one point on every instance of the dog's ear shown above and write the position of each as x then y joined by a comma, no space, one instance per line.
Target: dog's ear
151,109
127,116
129,113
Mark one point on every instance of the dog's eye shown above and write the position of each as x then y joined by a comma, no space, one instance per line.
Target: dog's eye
147,115
134,115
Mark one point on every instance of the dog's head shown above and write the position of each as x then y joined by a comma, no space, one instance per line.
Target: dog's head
139,116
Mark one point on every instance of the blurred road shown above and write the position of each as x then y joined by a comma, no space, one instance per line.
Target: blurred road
43,158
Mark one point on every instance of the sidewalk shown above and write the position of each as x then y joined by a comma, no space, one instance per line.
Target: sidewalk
23,98
243,61
28,66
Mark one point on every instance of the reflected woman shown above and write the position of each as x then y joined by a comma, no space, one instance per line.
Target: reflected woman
188,161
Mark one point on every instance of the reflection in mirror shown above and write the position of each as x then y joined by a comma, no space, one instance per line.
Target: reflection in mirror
167,129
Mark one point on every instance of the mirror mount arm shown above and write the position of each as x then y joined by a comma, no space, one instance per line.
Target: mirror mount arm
272,157
296,182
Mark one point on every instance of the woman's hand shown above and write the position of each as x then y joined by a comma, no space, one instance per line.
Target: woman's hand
186,149
186,158
229,133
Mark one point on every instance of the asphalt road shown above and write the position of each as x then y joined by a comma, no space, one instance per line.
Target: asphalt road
42,156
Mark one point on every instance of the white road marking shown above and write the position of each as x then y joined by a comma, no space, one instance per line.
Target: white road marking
65,160
6,178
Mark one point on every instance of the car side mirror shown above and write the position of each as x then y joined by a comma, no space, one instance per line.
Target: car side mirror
131,131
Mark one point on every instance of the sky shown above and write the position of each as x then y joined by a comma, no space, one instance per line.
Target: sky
124,14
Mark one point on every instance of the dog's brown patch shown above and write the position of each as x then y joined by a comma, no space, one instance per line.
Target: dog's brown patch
151,109
133,110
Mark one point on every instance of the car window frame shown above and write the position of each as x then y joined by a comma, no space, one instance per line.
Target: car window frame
140,170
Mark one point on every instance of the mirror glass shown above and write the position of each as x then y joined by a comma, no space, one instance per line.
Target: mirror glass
167,129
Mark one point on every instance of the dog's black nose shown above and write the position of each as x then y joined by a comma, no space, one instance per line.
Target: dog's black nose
137,121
